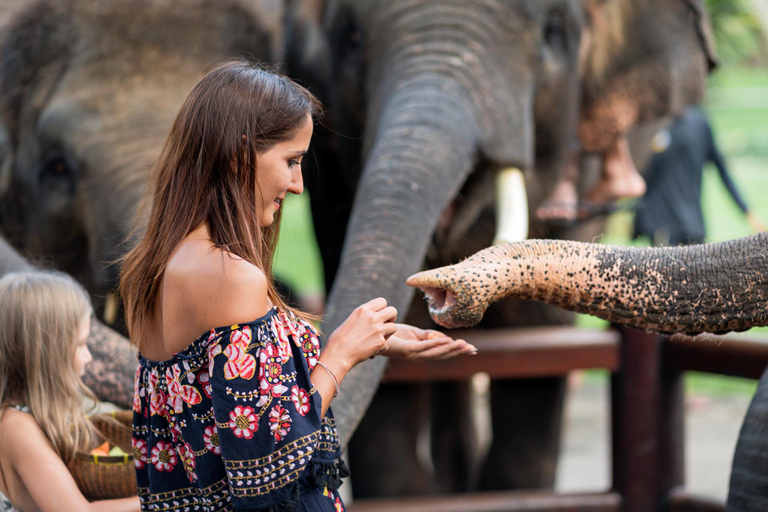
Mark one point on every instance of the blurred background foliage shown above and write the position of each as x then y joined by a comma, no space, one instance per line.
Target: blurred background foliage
738,30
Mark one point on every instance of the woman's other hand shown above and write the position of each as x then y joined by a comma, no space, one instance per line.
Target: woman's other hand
416,344
363,335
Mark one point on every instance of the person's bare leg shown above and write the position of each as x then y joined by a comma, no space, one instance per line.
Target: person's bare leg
562,203
620,178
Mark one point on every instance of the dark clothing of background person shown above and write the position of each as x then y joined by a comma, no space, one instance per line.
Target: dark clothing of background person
671,207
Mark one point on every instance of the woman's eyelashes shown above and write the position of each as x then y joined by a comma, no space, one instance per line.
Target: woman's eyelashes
293,163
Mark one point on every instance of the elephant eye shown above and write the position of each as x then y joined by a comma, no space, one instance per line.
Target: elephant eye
56,176
554,30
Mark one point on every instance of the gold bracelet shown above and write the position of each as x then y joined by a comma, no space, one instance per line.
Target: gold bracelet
335,380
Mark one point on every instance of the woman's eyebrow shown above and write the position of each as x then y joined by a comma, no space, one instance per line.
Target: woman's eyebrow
299,153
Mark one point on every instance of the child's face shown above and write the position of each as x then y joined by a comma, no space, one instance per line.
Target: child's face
82,354
279,172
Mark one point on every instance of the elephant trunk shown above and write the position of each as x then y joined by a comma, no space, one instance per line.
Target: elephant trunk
423,152
708,288
438,104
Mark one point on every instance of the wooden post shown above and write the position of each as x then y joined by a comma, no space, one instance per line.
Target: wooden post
671,425
635,421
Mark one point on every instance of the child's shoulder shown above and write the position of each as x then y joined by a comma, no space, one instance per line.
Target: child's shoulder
218,287
18,428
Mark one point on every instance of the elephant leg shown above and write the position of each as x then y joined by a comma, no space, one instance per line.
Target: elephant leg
454,440
748,489
526,416
383,454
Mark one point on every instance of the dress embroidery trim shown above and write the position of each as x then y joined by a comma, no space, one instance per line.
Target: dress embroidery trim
234,420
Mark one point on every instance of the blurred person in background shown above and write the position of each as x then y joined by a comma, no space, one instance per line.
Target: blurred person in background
670,212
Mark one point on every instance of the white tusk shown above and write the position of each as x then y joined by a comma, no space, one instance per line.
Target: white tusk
110,309
511,207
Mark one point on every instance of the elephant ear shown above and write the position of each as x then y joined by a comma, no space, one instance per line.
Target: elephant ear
35,49
704,29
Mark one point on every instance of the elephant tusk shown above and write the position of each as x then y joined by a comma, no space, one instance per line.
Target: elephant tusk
110,309
511,207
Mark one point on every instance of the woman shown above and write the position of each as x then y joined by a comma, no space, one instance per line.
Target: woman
239,418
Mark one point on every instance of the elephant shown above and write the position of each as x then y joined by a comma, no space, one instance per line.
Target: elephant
88,90
716,288
460,84
445,94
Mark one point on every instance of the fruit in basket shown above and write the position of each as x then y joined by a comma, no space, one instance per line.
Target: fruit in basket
116,451
102,449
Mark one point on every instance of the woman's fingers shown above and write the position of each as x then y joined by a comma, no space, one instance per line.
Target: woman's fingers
376,304
387,314
389,329
449,350
440,348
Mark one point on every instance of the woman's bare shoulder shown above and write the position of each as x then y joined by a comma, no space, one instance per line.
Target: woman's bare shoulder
213,287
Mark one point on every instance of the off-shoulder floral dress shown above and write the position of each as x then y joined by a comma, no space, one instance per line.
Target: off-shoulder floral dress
233,423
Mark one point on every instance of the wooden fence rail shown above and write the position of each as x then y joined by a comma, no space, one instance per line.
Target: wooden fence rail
647,409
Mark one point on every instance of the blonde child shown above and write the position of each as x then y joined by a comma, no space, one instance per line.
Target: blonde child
44,323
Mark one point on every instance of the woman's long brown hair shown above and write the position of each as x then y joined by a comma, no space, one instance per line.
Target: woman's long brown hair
207,173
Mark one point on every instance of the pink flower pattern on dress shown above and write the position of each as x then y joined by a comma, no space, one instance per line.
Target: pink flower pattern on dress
157,402
279,422
211,439
239,362
300,399
216,375
188,459
164,456
138,392
204,378
243,422
139,452
271,371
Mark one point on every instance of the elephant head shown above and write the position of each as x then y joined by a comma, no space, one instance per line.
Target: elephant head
88,91
715,288
646,59
445,94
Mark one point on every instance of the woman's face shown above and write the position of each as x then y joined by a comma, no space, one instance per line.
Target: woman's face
279,172
82,354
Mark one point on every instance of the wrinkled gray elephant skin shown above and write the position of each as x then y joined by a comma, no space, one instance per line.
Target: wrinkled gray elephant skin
88,90
445,94
714,288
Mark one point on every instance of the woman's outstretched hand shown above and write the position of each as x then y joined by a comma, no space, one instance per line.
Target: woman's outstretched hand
362,335
416,344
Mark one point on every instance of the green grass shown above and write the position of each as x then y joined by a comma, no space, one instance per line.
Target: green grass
297,259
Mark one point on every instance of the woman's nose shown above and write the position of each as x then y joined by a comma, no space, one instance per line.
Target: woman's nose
297,182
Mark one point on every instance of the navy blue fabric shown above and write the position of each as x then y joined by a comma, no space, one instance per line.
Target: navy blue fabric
673,177
233,423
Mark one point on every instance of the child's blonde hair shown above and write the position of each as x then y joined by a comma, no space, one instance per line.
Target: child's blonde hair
40,313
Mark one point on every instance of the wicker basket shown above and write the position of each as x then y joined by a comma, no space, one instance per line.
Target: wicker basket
102,477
